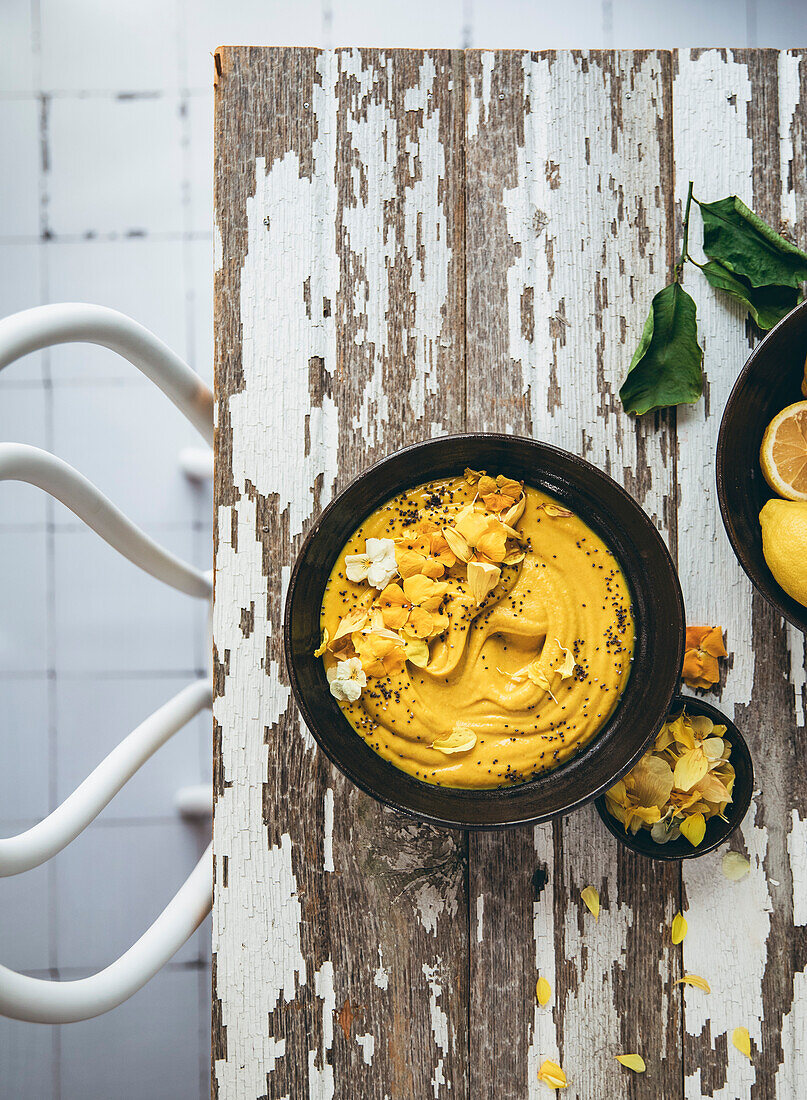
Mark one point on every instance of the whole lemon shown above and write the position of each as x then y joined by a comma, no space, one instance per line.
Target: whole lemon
784,544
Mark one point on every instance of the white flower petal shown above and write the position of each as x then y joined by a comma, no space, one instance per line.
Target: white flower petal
357,567
347,679
380,548
352,690
380,574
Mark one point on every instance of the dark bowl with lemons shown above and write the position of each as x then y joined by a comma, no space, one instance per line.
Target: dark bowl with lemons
770,381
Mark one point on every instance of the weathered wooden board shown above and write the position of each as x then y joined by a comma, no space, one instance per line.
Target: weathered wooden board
739,127
569,219
341,930
410,243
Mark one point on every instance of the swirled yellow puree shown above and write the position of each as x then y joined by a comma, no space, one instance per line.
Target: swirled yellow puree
475,632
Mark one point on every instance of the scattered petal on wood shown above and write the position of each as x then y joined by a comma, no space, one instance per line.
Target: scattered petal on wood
632,1061
742,1041
679,927
551,1074
543,991
735,866
696,980
592,900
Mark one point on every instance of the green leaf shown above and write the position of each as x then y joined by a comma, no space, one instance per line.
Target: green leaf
746,245
767,304
666,366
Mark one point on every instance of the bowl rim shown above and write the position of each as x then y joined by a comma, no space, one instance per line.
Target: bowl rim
739,807
770,596
356,777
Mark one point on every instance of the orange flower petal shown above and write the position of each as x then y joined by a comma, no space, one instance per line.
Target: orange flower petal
420,622
493,545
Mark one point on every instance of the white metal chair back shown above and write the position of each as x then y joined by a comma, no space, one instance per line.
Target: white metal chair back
57,1002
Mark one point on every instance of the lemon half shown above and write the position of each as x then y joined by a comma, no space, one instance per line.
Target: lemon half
783,454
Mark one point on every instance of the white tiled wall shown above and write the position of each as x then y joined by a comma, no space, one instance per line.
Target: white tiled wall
105,196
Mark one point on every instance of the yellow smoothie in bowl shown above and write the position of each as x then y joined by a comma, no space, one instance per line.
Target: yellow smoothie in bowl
475,632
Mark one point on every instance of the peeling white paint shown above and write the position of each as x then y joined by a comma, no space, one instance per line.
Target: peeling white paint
252,976
320,1071
439,1022
324,989
797,651
789,107
797,851
791,1077
430,904
367,1044
478,105
544,1037
218,248
284,201
480,915
327,840
381,977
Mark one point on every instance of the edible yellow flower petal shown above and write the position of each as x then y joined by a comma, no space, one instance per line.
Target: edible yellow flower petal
592,899
696,980
417,651
551,1074
543,991
694,828
492,544
555,510
323,644
632,1061
679,928
514,514
424,591
461,739
567,666
651,781
482,579
742,1041
354,620
472,525
690,769
735,866
458,544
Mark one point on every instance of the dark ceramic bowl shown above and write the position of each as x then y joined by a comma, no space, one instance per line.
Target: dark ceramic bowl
716,830
658,614
768,383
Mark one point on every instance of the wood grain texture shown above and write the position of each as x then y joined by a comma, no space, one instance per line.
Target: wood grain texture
411,243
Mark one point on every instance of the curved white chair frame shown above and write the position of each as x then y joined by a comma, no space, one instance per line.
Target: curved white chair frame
59,1002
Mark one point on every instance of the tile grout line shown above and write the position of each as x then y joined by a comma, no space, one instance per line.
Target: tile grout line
50,619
